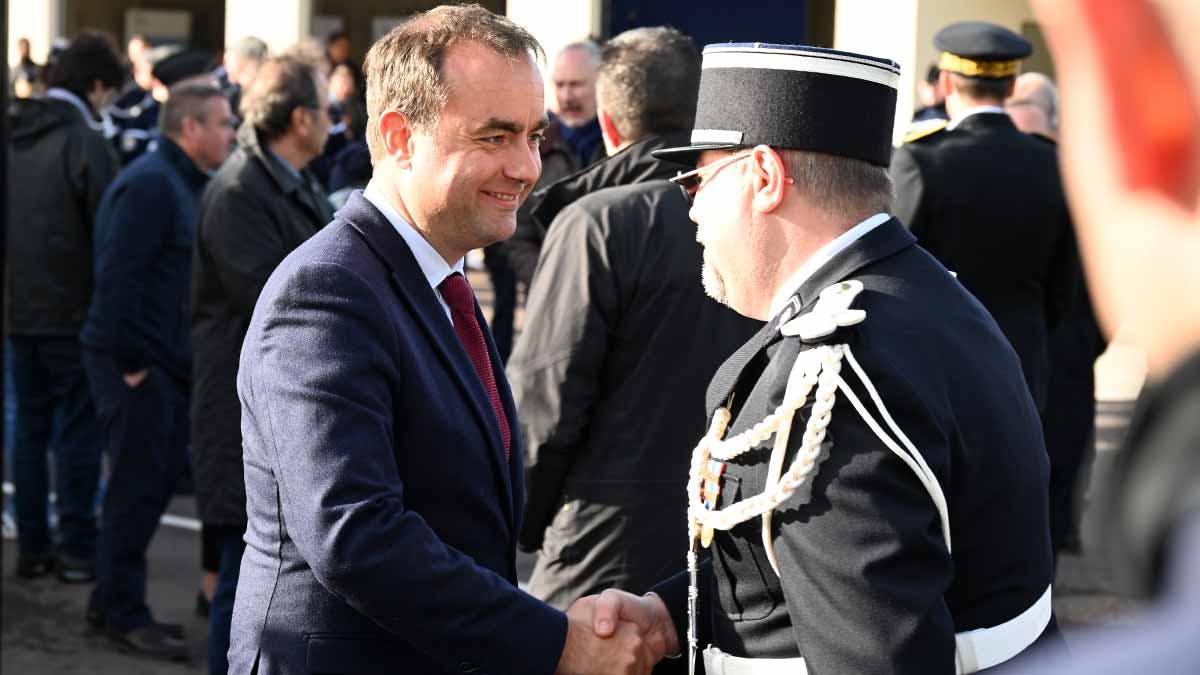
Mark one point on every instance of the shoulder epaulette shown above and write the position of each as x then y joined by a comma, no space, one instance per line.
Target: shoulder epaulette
923,129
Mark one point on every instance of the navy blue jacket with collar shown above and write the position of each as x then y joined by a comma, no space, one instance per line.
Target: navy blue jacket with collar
383,514
142,259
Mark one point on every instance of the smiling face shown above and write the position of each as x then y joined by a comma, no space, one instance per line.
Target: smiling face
468,173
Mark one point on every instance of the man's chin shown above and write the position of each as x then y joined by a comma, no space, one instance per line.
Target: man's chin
575,121
498,231
714,285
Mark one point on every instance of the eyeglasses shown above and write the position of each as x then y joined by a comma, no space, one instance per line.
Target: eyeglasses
693,180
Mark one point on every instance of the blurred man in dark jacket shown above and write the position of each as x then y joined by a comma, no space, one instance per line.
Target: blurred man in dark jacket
613,314
1073,345
137,353
60,165
262,204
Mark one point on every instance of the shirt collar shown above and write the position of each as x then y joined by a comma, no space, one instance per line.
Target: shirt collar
180,159
432,264
283,163
822,256
977,110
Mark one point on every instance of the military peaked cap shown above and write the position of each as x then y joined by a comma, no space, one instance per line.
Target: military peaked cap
981,49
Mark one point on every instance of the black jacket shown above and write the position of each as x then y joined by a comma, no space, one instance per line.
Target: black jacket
58,169
866,582
609,374
255,212
987,201
145,229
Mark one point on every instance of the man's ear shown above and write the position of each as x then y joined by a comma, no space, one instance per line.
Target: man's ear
1156,115
770,178
945,82
608,128
301,118
397,135
190,126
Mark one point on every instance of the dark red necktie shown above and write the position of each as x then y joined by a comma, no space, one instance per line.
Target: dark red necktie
458,295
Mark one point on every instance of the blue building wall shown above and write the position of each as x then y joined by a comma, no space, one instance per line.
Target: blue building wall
709,21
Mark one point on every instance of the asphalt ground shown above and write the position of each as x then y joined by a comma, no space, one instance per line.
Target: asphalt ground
43,630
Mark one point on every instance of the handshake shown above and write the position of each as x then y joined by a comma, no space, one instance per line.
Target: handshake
617,632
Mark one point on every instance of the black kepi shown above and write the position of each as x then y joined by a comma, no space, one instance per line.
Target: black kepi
793,97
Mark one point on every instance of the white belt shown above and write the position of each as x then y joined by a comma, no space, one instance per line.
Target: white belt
717,662
975,650
986,647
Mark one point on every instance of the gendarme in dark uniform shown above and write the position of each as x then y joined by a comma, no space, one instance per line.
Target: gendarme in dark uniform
987,201
855,572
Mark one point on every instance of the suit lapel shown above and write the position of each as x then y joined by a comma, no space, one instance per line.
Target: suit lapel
413,288
886,240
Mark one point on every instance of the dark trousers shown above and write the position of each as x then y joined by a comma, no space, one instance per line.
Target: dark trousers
51,394
220,615
504,299
146,430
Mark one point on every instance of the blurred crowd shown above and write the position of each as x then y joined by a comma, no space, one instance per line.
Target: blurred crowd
154,194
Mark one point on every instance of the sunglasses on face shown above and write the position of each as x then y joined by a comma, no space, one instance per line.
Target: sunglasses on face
693,180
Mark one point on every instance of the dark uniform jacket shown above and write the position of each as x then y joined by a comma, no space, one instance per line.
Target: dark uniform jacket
867,584
254,214
59,167
609,376
987,201
145,229
135,119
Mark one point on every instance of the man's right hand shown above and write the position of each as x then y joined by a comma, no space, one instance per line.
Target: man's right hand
649,612
622,651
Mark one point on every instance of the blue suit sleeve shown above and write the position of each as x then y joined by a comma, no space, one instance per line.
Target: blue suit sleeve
129,237
319,380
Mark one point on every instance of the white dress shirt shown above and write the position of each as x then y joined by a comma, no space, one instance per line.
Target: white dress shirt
822,256
975,111
432,264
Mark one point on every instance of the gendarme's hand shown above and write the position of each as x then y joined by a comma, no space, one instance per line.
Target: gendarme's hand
621,652
648,612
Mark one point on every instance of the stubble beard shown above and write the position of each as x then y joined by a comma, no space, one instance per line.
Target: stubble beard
714,285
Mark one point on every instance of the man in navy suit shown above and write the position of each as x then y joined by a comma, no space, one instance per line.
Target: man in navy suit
383,475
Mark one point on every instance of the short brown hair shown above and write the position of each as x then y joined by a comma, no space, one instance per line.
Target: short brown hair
404,68
185,101
283,84
840,185
648,81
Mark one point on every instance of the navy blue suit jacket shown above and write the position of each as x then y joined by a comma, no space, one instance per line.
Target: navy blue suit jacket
383,515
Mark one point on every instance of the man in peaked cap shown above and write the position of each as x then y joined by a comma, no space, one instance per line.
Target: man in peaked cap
986,200
138,125
873,485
